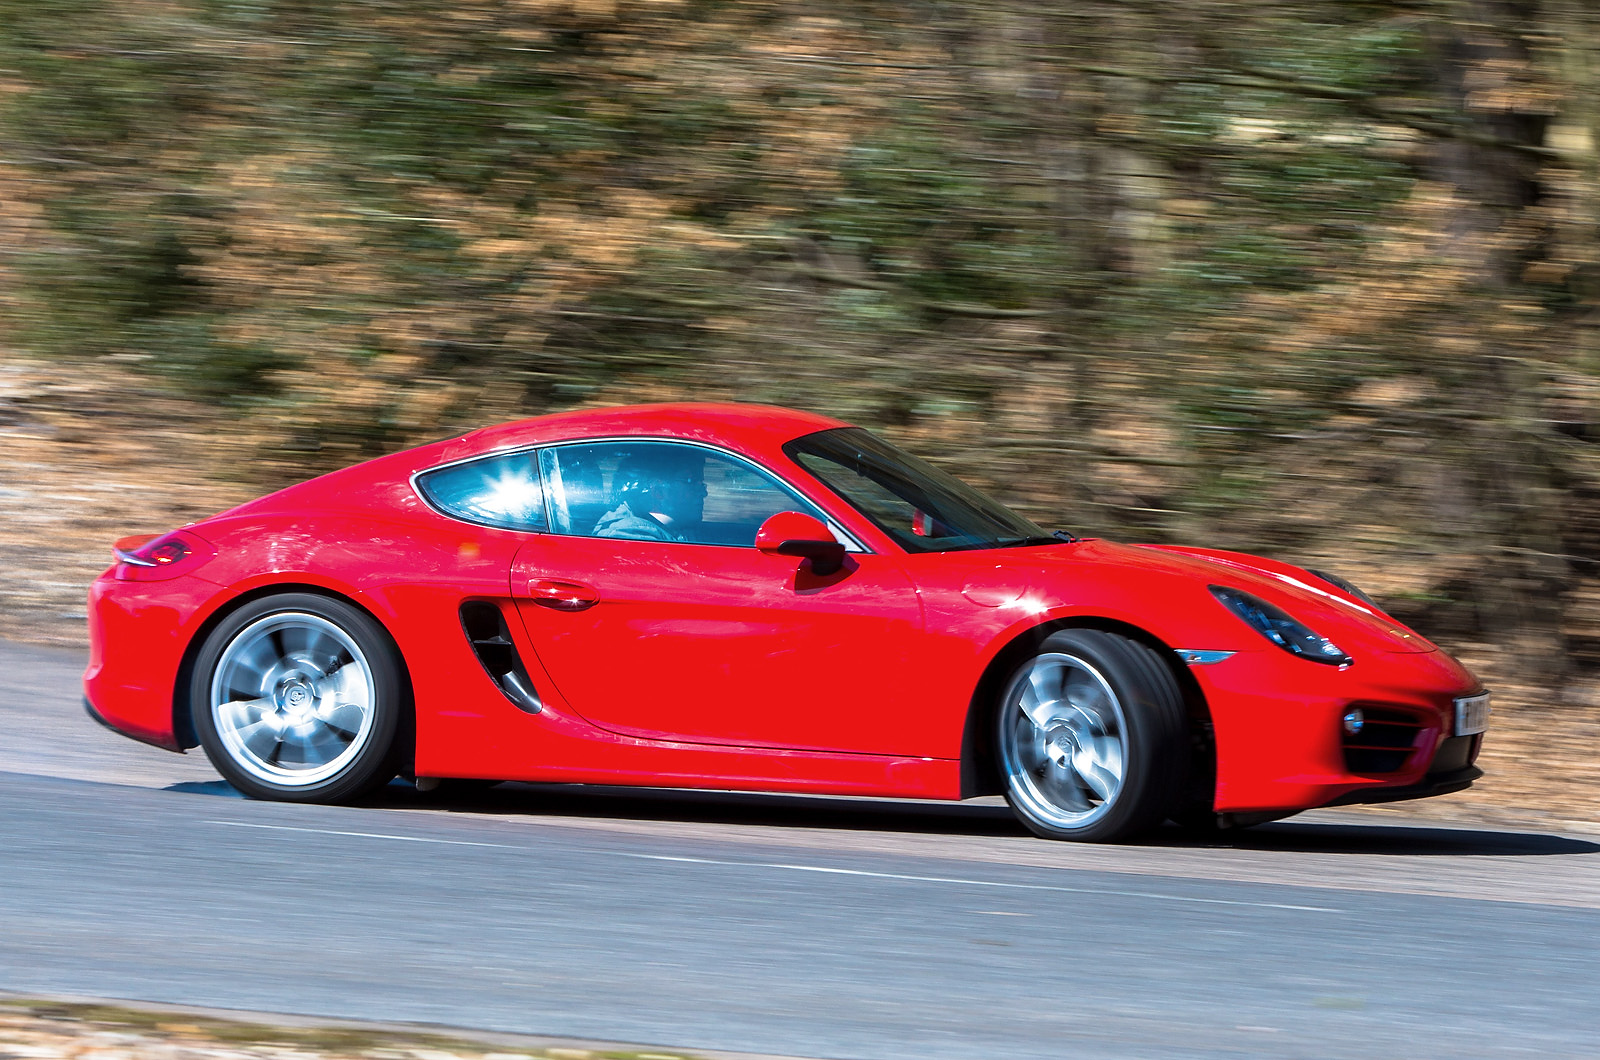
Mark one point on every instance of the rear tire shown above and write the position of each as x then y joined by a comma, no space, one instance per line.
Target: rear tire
1092,738
300,698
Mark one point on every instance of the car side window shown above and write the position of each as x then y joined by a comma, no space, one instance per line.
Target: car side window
877,502
661,491
502,491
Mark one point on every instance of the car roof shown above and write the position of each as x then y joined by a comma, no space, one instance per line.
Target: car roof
744,427
757,431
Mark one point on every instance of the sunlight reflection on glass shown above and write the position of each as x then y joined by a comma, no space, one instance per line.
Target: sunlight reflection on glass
512,494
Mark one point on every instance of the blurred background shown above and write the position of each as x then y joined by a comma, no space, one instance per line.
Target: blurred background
1318,279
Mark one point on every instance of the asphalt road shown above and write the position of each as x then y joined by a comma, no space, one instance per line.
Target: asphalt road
807,927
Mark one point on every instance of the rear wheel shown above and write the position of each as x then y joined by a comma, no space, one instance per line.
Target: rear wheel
1092,738
299,697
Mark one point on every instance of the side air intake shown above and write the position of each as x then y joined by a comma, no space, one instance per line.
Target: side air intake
485,626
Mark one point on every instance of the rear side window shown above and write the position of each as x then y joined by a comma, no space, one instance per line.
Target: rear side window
502,491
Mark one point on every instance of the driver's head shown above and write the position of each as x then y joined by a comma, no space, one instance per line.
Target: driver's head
666,483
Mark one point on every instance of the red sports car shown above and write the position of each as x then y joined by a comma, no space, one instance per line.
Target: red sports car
743,597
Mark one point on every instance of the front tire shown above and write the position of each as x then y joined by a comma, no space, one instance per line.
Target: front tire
1092,738
300,698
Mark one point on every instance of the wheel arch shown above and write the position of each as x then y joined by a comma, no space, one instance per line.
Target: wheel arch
980,773
182,708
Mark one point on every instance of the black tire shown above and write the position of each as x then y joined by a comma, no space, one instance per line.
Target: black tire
1111,759
298,697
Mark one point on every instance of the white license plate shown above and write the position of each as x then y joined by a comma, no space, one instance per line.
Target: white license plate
1472,715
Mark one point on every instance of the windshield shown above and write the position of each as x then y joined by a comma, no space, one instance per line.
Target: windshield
921,507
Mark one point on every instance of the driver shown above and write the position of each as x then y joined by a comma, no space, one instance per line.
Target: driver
660,491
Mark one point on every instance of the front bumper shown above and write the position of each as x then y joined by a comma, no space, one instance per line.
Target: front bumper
1431,784
1280,743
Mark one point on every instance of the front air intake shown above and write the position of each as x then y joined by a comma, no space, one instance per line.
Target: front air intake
485,626
1384,742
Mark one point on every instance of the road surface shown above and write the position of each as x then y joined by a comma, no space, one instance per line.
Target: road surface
791,926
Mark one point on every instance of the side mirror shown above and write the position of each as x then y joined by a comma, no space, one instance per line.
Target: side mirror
798,534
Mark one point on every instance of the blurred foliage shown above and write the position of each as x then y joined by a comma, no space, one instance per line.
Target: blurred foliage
1313,277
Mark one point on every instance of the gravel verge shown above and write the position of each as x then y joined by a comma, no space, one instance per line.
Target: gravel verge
37,1028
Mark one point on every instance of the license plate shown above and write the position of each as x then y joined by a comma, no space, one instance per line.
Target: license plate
1472,715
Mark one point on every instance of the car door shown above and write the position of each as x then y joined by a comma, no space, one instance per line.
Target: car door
656,617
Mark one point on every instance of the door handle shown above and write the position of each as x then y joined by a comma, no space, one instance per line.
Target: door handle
562,596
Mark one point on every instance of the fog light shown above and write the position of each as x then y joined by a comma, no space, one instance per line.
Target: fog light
1354,720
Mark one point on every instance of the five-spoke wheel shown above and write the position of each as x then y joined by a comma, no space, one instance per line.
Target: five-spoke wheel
1091,737
299,697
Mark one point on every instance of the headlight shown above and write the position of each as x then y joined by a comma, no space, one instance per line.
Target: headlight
1339,583
1276,625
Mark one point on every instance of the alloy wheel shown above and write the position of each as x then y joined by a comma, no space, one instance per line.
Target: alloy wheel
1063,741
293,699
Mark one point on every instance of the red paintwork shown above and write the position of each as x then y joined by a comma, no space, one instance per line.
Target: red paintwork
716,666
731,645
791,526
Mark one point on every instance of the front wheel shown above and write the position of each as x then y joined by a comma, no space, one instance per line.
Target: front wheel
300,698
1092,738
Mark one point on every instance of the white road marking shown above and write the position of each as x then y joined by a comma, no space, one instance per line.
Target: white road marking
977,883
367,835
825,869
